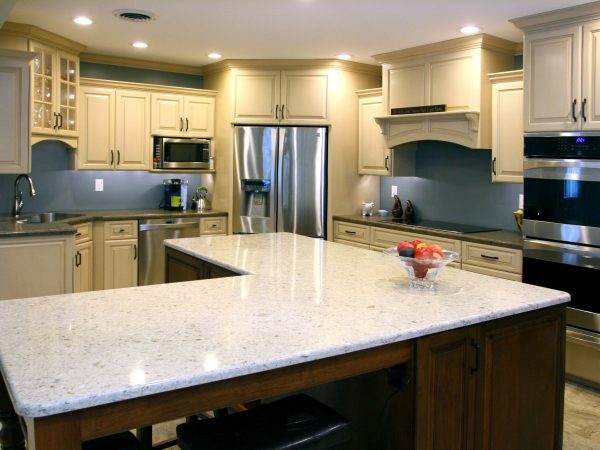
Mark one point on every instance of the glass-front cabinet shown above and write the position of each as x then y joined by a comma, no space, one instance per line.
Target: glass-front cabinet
55,80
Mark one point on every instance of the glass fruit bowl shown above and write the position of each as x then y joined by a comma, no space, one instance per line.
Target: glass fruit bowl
423,271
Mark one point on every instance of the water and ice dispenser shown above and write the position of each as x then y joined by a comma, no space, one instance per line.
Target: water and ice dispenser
255,201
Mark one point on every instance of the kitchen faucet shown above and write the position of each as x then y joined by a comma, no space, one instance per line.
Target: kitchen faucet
19,195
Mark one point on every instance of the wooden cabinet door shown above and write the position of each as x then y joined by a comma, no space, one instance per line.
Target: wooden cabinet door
507,132
373,155
83,274
590,83
199,115
257,96
15,153
43,91
132,130
552,68
452,82
408,86
304,96
96,145
120,263
67,84
446,386
167,115
522,382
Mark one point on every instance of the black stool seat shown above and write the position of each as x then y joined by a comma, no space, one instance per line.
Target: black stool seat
119,441
296,422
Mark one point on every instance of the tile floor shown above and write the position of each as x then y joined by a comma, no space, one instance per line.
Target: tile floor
581,430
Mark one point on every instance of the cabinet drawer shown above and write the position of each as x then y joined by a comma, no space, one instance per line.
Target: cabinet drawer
120,229
352,244
491,257
83,232
385,238
213,225
492,272
351,232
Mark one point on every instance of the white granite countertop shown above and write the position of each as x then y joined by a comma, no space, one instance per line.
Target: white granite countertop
303,299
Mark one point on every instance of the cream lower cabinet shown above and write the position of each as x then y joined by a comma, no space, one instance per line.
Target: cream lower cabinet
120,254
83,265
35,266
115,132
215,226
273,96
183,115
353,234
15,153
507,126
373,155
491,260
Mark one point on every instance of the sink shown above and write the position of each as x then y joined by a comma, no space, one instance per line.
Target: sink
46,217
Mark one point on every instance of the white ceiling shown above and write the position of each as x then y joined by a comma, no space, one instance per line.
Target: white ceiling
186,30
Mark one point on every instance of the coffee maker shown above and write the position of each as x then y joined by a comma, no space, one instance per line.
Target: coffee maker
175,194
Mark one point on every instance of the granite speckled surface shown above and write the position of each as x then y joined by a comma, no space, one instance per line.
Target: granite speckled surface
304,299
10,227
501,238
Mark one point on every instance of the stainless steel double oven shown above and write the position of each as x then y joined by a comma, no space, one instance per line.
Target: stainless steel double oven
561,247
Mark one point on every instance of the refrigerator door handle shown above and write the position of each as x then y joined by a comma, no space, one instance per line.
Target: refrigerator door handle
279,187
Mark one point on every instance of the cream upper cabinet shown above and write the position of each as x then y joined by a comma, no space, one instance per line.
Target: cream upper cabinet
15,153
590,86
373,155
273,96
182,115
55,82
507,126
115,130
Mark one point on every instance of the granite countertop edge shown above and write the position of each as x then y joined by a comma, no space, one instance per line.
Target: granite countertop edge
501,238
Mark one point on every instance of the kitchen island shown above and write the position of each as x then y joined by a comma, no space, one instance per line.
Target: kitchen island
302,313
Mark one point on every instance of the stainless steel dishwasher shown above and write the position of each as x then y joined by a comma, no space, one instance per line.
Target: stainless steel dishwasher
151,234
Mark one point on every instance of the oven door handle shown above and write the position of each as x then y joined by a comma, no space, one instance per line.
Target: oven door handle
541,163
573,255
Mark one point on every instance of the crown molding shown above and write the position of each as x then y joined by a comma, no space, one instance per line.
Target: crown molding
478,41
290,64
511,75
369,92
573,14
139,64
40,35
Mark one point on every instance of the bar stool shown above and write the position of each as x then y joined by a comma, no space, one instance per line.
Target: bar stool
119,441
295,422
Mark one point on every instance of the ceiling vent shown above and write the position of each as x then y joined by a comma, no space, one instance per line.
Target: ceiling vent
132,15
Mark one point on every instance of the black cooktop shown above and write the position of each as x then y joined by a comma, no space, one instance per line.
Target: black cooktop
438,225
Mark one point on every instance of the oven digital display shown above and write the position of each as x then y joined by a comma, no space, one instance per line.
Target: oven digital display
581,147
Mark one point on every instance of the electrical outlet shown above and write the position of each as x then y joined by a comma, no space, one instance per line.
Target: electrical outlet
520,201
394,190
99,184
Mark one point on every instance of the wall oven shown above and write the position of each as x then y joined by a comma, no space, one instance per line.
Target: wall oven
561,249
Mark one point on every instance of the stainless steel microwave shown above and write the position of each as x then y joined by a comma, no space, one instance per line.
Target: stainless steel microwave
182,153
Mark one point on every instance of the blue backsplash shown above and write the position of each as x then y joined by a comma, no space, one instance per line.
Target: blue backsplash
453,184
60,189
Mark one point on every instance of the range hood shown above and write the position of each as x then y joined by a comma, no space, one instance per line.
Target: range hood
451,73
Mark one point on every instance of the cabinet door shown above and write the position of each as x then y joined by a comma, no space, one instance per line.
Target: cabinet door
452,82
552,67
408,86
507,132
304,96
373,155
43,91
446,387
257,96
67,82
167,115
132,130
96,146
199,116
522,382
590,82
15,153
120,263
83,274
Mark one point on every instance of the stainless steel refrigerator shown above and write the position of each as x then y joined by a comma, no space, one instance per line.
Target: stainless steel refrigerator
280,180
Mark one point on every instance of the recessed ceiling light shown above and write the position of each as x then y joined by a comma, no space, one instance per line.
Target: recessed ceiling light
140,44
82,20
214,55
344,56
470,29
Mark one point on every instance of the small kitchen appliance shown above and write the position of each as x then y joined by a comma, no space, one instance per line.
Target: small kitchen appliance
200,200
182,153
175,194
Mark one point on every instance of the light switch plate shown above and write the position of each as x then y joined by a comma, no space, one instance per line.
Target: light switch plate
99,184
520,201
394,190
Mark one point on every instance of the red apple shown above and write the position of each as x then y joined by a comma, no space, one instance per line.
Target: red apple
404,244
423,252
416,242
436,251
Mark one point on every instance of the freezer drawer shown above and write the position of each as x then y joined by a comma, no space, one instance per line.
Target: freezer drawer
583,356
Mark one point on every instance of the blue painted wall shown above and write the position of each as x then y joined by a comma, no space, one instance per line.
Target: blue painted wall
60,189
131,74
453,184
